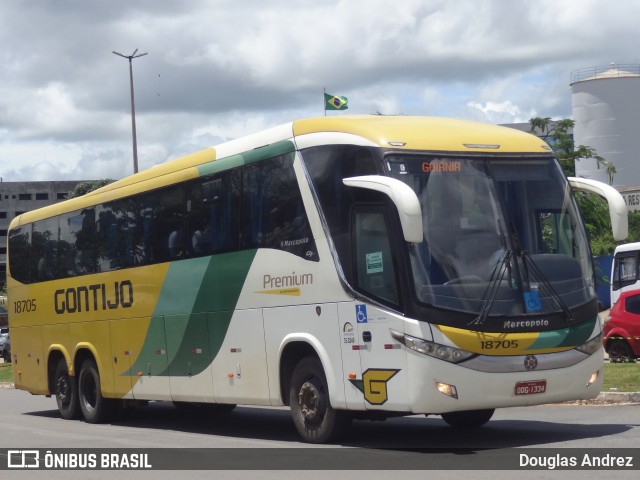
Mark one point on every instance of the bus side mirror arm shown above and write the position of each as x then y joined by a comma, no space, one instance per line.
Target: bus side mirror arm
617,207
402,196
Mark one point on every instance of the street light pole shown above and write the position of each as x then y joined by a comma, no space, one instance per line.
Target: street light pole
133,108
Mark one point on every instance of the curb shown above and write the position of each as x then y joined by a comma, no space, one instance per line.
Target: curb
618,397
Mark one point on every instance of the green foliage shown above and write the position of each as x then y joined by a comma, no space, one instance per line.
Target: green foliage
595,213
557,135
594,210
6,373
85,187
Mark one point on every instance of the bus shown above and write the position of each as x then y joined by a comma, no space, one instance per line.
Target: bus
351,267
624,269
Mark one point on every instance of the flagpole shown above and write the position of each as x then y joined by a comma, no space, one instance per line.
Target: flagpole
324,102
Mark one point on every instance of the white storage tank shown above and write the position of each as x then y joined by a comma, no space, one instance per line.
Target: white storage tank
606,111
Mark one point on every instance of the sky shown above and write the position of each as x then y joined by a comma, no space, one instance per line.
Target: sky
216,70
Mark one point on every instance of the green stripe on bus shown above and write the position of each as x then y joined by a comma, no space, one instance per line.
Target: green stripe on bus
193,313
262,153
566,337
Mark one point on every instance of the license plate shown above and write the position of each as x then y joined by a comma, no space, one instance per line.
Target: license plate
531,388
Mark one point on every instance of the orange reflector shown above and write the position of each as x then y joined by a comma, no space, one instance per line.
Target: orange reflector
352,376
139,374
230,375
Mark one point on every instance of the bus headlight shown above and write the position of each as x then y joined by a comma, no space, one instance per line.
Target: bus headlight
436,350
592,346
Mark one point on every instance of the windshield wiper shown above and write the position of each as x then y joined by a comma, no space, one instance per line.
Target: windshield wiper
491,292
538,276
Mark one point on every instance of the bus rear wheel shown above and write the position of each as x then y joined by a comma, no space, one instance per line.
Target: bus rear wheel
468,418
94,407
65,388
313,416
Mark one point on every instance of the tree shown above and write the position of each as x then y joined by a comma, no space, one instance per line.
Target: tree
557,135
85,187
594,209
595,212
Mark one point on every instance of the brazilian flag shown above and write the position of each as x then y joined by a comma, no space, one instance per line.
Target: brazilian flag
332,102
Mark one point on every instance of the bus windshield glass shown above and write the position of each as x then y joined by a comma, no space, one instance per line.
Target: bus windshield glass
501,236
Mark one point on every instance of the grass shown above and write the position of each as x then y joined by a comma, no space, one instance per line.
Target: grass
6,372
623,377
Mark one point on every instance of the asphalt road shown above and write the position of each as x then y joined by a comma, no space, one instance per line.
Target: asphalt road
33,422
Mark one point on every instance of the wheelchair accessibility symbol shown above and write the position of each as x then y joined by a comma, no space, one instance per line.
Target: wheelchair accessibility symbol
361,313
532,301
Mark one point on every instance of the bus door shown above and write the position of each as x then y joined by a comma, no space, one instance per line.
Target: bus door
381,361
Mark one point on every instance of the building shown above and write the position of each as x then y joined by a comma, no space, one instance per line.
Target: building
606,110
19,197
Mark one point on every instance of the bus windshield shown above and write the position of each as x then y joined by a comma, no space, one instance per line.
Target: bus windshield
501,236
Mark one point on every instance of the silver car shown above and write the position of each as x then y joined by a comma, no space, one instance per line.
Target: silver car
5,345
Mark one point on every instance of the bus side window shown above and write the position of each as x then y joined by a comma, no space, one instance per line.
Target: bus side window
273,214
44,250
76,249
160,225
115,235
213,210
625,271
20,250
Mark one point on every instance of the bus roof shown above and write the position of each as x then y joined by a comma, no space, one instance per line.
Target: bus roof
628,247
427,133
435,134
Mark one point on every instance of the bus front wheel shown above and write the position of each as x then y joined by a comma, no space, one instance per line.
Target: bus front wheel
468,418
313,416
95,408
65,388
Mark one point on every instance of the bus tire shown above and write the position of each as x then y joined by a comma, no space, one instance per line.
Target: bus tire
313,416
619,351
65,388
468,418
94,407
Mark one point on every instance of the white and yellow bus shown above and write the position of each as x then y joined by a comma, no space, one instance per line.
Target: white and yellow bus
348,267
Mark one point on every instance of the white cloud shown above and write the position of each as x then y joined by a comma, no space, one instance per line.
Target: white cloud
218,69
503,112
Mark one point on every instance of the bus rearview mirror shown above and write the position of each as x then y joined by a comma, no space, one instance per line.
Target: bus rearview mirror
402,196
